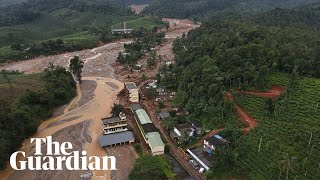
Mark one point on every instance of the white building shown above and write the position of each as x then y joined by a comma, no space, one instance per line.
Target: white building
148,130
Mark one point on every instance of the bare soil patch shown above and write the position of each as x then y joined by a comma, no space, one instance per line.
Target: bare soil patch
126,157
138,8
273,93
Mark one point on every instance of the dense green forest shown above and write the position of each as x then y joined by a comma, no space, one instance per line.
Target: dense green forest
279,47
26,100
205,9
304,16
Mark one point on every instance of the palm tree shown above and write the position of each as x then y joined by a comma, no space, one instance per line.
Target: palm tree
287,164
76,66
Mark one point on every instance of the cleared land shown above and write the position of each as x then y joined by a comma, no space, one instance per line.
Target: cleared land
138,8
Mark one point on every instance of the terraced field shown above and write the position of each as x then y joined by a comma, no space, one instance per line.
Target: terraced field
287,143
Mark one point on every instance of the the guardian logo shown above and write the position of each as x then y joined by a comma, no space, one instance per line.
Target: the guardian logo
62,154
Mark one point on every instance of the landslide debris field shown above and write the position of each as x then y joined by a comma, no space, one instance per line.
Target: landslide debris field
79,122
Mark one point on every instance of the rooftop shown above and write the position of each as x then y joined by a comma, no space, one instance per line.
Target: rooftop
201,156
143,116
131,85
183,126
164,114
111,139
154,140
111,120
174,134
135,106
195,123
149,127
217,140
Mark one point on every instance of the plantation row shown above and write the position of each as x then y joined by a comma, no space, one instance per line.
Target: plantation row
285,144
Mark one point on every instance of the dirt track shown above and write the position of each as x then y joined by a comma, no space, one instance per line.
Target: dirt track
245,117
273,93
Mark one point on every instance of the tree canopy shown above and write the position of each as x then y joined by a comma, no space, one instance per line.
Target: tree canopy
20,119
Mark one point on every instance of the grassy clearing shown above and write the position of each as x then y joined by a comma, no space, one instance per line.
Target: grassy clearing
44,28
19,84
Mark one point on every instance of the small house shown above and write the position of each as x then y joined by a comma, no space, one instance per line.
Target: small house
215,141
196,125
163,115
179,129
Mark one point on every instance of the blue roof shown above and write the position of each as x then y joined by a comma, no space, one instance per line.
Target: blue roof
116,138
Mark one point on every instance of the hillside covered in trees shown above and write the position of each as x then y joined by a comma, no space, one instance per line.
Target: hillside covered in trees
205,9
254,54
304,16
26,100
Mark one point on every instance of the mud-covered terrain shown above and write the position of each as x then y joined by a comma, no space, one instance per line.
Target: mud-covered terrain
79,122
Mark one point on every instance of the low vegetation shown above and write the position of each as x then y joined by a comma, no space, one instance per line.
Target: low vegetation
150,167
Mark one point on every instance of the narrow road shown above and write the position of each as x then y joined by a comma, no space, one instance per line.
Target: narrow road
244,116
174,149
273,93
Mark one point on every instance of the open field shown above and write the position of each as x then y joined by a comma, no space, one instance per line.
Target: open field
19,83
